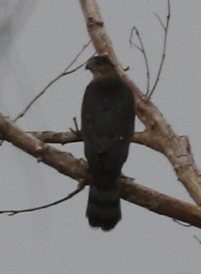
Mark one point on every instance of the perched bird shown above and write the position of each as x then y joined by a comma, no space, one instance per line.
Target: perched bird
107,126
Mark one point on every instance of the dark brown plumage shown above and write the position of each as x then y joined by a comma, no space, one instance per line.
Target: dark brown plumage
108,111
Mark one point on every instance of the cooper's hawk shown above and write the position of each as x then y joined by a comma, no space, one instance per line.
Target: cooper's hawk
108,111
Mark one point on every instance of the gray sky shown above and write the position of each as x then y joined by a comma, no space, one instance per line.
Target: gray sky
38,39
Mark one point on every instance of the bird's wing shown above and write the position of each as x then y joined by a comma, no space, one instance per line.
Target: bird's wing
107,114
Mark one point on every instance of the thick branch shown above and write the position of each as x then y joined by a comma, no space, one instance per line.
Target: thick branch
58,137
158,135
160,203
66,164
62,161
161,135
180,157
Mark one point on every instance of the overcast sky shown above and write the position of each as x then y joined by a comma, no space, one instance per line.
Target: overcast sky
38,39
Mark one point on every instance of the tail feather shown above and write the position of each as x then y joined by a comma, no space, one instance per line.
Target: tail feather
103,209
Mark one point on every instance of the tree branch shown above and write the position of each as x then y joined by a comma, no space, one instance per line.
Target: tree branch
66,164
165,28
161,135
69,196
142,50
157,135
64,73
160,203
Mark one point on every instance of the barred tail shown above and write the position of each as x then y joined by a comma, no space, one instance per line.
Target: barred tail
103,209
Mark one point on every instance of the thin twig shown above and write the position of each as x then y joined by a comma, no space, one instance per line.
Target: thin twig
142,49
76,131
197,239
166,28
159,19
180,223
65,72
73,70
76,125
14,212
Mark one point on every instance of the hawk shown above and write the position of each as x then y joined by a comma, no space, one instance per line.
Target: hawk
107,126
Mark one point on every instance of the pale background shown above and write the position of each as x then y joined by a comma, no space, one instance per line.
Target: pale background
38,39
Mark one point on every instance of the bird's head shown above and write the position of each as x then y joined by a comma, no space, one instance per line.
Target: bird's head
100,66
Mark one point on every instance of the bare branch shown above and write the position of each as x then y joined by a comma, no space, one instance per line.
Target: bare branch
69,196
182,224
77,169
58,137
62,161
54,137
142,49
199,241
65,72
161,136
160,132
160,203
76,131
159,19
166,28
